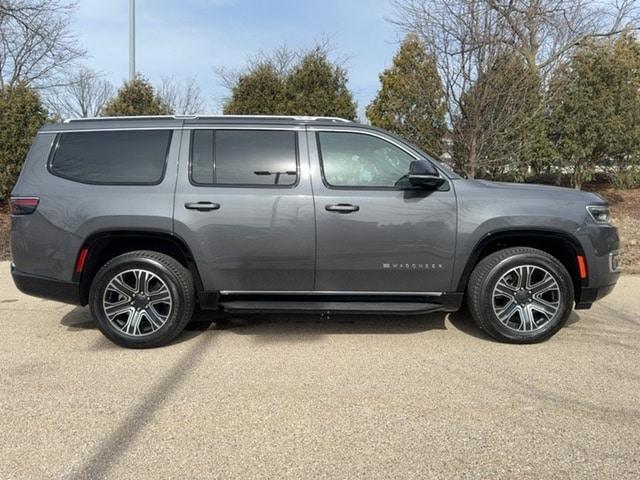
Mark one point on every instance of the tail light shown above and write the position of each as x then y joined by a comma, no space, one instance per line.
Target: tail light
23,205
82,259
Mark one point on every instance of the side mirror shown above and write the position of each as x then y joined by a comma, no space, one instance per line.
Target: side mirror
422,174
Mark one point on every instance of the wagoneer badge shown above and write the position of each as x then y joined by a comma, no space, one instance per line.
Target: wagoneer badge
412,266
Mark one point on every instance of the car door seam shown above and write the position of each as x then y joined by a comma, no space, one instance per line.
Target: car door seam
315,215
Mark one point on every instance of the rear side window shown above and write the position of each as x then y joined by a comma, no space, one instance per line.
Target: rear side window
244,157
132,157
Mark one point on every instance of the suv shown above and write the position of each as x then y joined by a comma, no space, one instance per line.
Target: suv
145,219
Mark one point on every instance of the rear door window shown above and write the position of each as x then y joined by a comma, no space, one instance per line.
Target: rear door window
244,157
118,157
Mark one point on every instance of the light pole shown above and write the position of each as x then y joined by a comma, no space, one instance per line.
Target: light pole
132,39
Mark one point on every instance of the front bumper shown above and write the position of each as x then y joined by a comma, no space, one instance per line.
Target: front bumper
601,245
588,295
43,287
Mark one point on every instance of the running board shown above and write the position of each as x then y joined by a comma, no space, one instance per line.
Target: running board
272,306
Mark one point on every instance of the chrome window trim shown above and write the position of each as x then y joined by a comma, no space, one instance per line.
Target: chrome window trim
391,140
107,129
189,127
248,126
365,132
242,185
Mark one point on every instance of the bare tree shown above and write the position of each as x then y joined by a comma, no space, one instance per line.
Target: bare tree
468,37
544,32
461,36
183,97
83,94
500,129
36,43
462,32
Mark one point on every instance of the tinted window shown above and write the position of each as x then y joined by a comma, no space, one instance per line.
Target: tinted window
202,156
120,157
359,160
244,157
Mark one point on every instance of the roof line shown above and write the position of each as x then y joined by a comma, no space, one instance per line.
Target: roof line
300,118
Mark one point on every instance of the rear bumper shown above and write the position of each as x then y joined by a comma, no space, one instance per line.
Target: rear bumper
42,287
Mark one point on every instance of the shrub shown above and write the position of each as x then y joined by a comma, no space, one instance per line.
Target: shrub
21,115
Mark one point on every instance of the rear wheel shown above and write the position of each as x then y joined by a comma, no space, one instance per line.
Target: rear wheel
520,295
142,299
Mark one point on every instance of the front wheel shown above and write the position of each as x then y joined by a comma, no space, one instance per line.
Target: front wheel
520,295
142,299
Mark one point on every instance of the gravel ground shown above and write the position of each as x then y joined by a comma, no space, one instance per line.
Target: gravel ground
625,210
297,397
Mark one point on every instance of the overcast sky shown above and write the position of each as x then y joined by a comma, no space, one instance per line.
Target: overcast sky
189,38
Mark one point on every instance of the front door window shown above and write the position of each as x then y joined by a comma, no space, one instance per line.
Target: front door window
357,160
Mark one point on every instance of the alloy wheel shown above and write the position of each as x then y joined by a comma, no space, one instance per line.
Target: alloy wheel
137,302
526,298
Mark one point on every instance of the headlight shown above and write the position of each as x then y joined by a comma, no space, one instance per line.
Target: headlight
599,213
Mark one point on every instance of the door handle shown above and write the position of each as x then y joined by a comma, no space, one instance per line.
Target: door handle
342,208
202,206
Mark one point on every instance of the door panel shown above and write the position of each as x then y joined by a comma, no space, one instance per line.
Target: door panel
248,237
385,239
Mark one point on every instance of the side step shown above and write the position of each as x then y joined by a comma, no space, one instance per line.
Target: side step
273,306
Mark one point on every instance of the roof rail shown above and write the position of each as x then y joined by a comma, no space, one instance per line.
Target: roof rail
301,118
124,117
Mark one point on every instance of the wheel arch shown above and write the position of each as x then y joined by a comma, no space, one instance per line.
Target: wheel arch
104,245
560,244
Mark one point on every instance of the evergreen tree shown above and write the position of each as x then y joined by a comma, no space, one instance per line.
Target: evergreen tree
136,97
411,100
624,143
595,116
21,115
318,87
288,84
260,91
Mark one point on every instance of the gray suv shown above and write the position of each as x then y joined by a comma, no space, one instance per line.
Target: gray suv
145,219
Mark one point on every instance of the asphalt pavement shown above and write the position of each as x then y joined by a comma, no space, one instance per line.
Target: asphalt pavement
303,397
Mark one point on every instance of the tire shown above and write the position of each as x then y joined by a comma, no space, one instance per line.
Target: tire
520,295
134,316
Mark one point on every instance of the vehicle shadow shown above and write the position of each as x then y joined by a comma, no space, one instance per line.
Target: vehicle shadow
282,327
463,321
79,319
267,328
265,324
573,318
